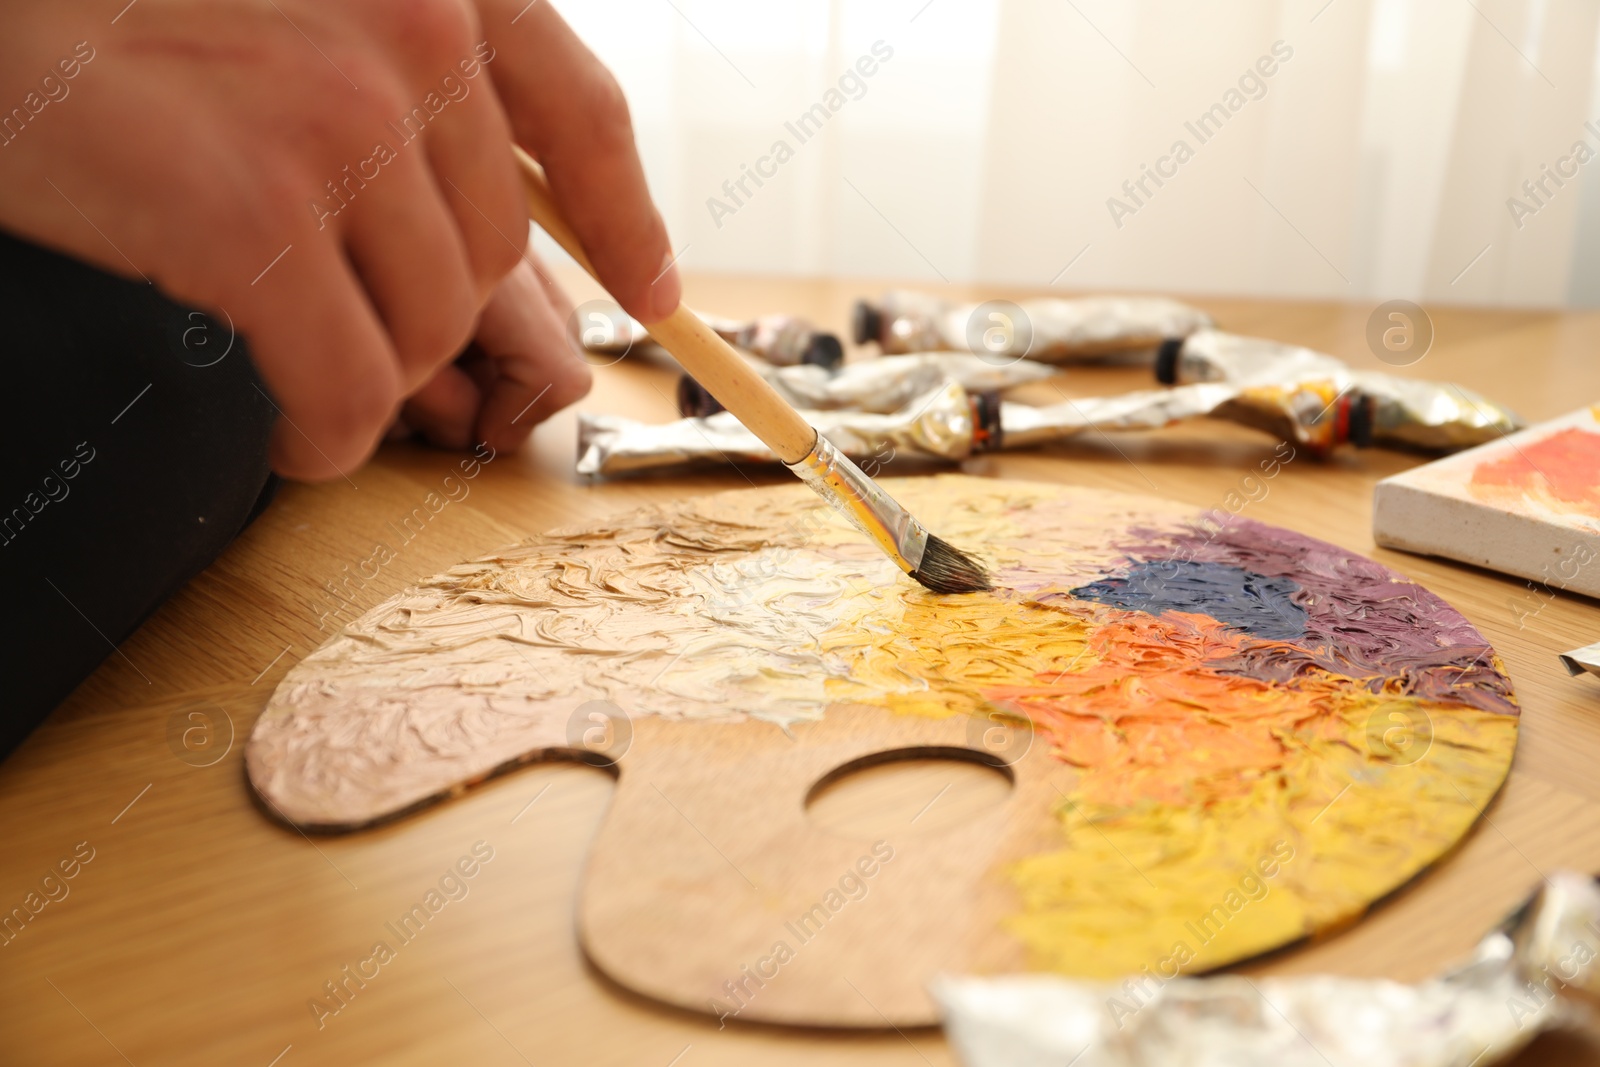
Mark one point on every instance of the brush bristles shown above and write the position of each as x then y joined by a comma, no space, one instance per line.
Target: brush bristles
947,569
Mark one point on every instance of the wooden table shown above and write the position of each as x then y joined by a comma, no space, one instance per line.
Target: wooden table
200,929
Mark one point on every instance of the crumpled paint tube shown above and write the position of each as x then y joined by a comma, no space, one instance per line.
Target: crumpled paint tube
1582,659
936,425
1380,409
882,386
1311,414
1053,330
784,340
1537,971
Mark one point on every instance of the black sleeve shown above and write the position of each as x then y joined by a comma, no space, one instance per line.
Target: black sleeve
135,449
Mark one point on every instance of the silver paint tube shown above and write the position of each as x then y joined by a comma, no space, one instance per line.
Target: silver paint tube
1386,409
1538,971
1311,415
1051,330
882,386
784,340
1582,659
937,425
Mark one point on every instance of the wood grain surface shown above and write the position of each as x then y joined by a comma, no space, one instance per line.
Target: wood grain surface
669,912
201,929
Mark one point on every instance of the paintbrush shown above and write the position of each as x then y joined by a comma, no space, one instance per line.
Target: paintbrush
934,562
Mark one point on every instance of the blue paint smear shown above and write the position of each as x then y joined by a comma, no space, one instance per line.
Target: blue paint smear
1235,597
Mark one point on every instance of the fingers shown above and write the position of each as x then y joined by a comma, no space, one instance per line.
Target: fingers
469,147
409,253
568,111
538,373
445,409
434,218
429,231
448,107
518,372
326,360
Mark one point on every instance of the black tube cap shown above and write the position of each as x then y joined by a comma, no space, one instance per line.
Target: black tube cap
694,400
866,323
825,351
1167,360
988,434
1363,420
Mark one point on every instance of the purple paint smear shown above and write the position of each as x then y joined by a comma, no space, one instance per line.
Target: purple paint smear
1362,619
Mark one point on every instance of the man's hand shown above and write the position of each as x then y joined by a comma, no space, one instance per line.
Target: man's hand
520,369
337,179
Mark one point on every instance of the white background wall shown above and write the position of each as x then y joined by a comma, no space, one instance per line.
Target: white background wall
1377,165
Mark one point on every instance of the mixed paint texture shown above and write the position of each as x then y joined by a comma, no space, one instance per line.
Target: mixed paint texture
1251,734
1226,695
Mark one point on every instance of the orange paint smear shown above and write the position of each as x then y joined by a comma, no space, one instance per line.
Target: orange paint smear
1149,720
1564,465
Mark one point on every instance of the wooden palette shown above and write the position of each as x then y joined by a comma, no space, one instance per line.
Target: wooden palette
1220,736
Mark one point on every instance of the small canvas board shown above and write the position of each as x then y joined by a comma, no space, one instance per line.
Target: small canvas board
1526,505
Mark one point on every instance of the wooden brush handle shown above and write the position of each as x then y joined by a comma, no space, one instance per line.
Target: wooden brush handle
708,358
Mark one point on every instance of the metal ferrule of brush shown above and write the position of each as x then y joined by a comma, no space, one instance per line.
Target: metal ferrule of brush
858,498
